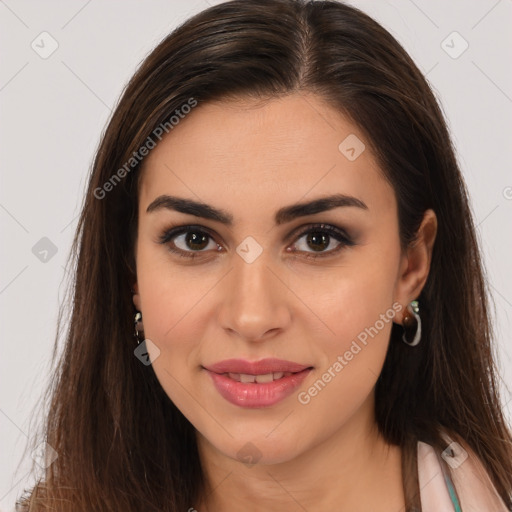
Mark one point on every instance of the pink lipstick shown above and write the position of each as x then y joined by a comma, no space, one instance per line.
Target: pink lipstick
256,384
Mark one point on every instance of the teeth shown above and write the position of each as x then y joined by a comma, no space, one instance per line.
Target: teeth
267,377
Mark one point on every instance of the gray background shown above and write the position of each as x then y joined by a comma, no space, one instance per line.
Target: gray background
54,109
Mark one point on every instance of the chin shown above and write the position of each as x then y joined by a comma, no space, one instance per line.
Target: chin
262,450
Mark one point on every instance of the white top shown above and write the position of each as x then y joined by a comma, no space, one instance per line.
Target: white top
472,484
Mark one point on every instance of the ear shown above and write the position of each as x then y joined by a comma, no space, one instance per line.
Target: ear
415,263
136,297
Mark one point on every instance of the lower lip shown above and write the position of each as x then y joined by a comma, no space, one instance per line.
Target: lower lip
256,395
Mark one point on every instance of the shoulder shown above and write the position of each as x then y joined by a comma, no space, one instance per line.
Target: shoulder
455,476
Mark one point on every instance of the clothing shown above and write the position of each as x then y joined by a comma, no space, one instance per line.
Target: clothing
464,486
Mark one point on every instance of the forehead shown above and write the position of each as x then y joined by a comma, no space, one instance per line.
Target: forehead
288,148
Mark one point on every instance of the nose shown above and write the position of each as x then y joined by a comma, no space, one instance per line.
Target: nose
254,300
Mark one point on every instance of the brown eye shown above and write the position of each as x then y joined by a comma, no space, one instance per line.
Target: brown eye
195,240
320,237
187,241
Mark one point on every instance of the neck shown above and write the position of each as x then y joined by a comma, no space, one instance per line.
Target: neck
353,470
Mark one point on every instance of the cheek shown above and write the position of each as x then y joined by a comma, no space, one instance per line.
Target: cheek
173,306
166,301
168,292
360,316
170,323
356,353
351,302
355,306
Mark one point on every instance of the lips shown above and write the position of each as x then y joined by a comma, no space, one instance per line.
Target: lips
264,366
256,383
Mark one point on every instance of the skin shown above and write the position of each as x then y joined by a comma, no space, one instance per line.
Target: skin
250,159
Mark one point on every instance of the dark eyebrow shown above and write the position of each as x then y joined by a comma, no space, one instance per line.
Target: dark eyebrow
283,215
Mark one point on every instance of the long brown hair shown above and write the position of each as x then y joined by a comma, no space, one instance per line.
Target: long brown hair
121,443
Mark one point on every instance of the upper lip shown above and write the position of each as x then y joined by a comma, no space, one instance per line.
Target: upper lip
261,367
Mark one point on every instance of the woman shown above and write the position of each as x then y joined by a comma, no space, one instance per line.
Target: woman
277,208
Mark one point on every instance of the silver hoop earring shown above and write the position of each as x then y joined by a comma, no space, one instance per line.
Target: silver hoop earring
138,327
412,322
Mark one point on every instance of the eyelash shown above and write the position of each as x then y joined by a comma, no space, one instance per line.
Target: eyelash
332,231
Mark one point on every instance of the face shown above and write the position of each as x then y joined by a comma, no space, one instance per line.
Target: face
317,288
